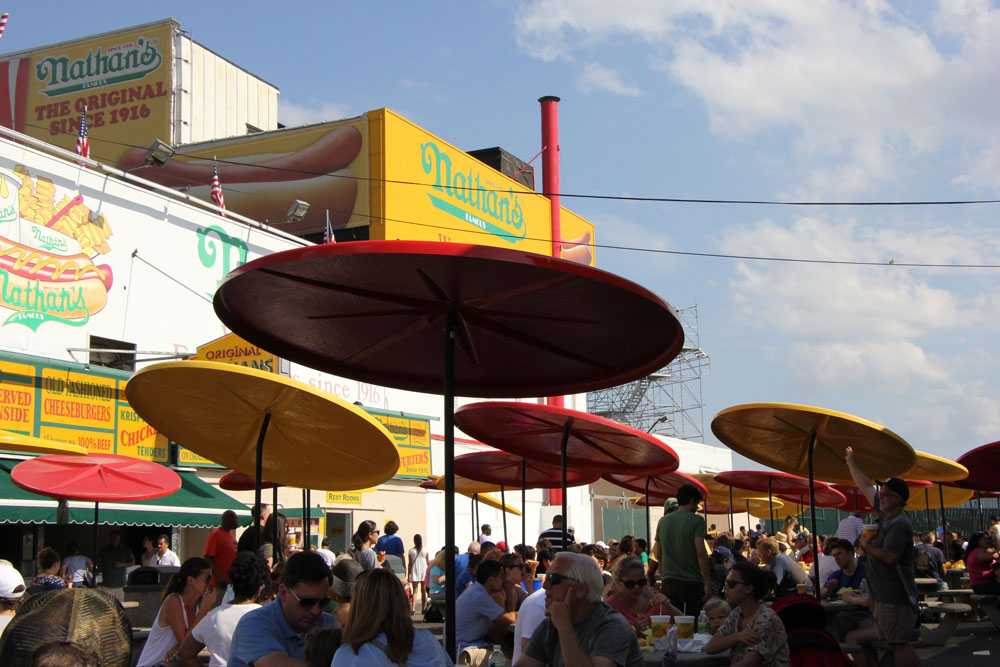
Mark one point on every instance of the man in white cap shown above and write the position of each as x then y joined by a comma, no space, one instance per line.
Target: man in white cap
11,592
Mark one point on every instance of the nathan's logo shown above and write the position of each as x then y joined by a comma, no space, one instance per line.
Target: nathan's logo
479,202
117,64
47,253
214,244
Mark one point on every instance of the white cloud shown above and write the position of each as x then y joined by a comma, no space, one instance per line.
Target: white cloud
291,114
861,84
597,77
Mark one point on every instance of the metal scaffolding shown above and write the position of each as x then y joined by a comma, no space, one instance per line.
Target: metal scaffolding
667,402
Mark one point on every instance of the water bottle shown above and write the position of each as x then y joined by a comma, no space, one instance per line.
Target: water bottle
702,623
497,658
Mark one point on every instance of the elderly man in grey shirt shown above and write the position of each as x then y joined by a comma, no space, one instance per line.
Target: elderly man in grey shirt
579,628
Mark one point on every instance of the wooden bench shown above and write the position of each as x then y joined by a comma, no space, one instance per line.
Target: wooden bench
956,594
989,605
951,614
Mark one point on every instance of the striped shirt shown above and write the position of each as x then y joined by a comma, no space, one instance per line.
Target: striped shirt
555,536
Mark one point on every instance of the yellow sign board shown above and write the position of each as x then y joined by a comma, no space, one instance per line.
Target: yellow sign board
123,79
425,189
17,397
412,440
346,497
67,403
231,349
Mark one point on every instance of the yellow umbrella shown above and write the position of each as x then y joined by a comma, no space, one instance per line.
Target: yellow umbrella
15,442
779,435
480,490
717,490
930,499
937,469
314,440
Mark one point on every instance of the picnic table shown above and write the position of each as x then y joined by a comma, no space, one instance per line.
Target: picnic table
698,659
835,607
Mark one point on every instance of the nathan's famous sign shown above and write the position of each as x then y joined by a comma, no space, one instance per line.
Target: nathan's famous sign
122,78
49,249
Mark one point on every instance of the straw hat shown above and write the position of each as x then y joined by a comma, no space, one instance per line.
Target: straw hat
781,537
85,616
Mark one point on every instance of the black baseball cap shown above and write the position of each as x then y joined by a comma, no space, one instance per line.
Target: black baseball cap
899,487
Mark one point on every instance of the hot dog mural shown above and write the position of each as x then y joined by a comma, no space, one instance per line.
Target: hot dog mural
50,247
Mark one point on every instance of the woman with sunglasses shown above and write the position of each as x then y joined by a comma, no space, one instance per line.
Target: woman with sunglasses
186,600
632,599
513,571
363,540
380,630
751,626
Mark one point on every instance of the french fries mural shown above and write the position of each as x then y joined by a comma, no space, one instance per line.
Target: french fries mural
47,253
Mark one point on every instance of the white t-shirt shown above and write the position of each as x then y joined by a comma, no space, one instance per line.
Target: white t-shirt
529,616
169,559
850,529
76,567
215,631
486,538
328,556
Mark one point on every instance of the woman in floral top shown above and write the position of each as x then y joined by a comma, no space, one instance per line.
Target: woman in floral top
752,629
49,566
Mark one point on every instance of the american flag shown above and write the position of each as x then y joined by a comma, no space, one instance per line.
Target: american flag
328,232
3,22
217,190
82,140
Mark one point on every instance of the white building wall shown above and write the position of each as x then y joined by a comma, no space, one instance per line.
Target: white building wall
215,98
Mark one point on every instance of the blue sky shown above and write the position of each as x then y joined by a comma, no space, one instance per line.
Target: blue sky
822,101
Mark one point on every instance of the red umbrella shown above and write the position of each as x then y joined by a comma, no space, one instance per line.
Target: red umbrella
982,463
510,470
656,486
95,478
571,438
855,501
781,484
238,481
450,318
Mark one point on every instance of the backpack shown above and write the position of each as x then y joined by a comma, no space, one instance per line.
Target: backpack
800,612
815,648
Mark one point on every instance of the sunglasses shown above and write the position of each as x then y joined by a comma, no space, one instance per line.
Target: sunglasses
555,579
520,566
309,603
730,583
632,583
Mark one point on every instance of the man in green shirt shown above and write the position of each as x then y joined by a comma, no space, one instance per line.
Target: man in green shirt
112,561
682,554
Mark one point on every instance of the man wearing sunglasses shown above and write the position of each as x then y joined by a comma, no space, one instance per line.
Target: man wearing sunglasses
579,628
274,635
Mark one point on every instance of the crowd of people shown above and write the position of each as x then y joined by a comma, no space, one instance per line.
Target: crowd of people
253,601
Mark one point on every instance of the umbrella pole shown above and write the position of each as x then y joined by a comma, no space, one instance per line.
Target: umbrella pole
562,465
306,545
812,510
732,526
503,511
449,479
770,505
96,515
258,476
274,528
472,514
944,526
979,502
648,527
524,508
927,504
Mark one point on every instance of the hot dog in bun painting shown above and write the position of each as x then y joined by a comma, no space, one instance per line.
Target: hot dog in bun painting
49,253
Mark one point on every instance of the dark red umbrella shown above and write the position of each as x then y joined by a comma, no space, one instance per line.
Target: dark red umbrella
982,463
517,472
95,478
855,501
781,484
238,481
567,437
661,487
450,318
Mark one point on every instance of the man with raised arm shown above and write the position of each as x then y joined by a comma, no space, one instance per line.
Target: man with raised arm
890,563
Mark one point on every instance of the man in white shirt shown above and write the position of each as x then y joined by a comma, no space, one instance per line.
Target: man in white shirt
851,528
529,616
325,552
164,557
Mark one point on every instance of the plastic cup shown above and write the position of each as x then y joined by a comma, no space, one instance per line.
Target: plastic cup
870,530
660,625
801,588
685,627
